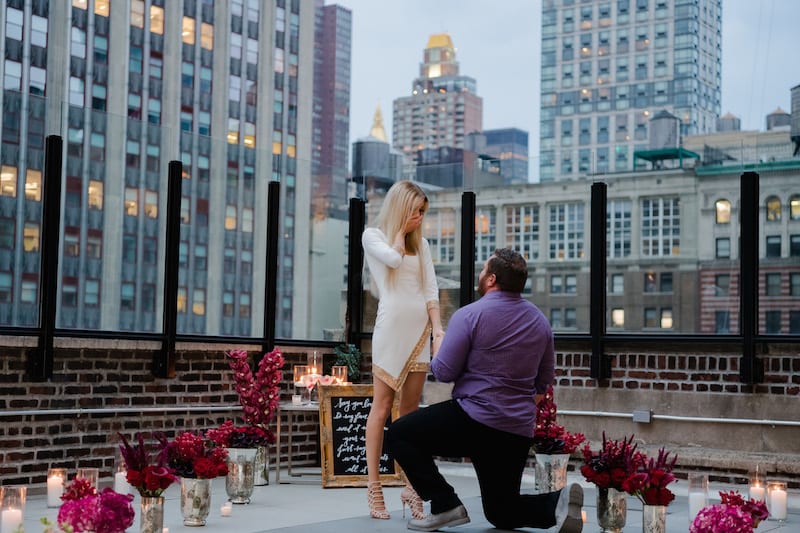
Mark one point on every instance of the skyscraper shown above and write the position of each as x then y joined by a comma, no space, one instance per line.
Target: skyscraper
331,130
608,67
509,146
443,107
224,87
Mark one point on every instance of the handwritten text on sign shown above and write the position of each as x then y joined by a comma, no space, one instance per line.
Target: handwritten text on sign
348,424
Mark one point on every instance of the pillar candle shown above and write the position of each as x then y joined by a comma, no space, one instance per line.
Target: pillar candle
777,504
10,520
55,488
121,483
697,500
757,493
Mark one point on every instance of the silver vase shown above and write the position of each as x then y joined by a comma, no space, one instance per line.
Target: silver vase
151,516
195,501
262,466
241,474
654,518
612,507
550,472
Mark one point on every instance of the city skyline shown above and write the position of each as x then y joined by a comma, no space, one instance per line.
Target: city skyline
494,54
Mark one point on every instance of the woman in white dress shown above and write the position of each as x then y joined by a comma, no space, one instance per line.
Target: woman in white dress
399,261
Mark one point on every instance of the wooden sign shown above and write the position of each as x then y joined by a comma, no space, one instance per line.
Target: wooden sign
343,411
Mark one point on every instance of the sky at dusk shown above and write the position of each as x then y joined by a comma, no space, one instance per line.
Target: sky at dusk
497,43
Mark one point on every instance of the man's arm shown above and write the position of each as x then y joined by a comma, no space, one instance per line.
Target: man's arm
451,359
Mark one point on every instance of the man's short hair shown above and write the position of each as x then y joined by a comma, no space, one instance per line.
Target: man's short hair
509,268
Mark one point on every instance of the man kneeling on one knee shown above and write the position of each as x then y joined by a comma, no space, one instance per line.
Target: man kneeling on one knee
498,352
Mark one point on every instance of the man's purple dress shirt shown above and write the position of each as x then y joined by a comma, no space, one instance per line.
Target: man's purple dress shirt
499,352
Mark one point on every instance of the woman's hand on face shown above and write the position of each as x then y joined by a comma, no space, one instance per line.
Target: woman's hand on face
413,221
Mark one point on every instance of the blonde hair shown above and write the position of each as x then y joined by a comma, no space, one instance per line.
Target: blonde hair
400,201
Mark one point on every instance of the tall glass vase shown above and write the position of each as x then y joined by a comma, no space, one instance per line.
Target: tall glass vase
262,466
151,517
550,472
654,518
195,501
612,508
241,474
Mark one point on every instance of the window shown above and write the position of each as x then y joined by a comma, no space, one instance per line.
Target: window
30,237
151,204
570,317
181,304
485,232
33,185
773,209
722,285
7,237
570,284
794,246
722,322
127,301
93,246
72,245
149,250
6,289
650,284
723,210
200,257
199,302
555,285
137,13
247,220
157,20
131,201
185,216
661,227
666,282
794,284
618,228
794,207
207,36
772,322
8,181
148,297
666,318
28,293
794,322
723,248
773,284
566,231
95,194
129,249
617,318
522,230
555,318
227,304
230,217
650,317
69,292
617,283
91,294
774,246
188,38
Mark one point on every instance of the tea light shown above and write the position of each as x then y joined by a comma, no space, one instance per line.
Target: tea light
776,500
226,509
55,486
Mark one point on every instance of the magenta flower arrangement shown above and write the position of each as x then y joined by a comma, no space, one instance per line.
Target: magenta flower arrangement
548,436
259,394
650,481
85,509
733,515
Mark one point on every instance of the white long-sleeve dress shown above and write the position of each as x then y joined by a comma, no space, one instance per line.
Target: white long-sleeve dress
401,337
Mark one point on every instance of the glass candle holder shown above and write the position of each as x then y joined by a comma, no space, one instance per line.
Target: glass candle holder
90,474
12,507
56,477
314,362
300,372
776,500
698,493
339,374
758,487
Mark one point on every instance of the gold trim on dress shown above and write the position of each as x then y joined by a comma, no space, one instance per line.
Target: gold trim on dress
411,364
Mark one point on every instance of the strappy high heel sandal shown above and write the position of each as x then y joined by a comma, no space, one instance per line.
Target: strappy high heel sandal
377,507
410,497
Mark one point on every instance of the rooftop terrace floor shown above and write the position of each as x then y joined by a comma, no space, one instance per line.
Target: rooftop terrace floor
303,506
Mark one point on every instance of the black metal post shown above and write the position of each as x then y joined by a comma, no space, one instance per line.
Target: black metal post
600,363
467,293
355,264
751,368
40,359
271,277
164,361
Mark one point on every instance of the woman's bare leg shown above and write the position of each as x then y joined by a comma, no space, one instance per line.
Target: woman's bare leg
411,393
382,400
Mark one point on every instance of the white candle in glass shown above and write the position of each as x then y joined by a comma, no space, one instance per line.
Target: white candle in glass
121,482
777,504
10,520
55,488
697,500
757,492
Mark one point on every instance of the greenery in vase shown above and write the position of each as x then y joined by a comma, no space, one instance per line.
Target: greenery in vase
350,356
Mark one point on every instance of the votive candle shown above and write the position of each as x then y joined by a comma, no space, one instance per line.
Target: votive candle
10,520
758,493
776,498
55,486
226,509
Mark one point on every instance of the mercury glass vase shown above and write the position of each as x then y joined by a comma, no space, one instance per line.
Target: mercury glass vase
654,518
241,474
195,501
262,466
151,516
550,472
612,508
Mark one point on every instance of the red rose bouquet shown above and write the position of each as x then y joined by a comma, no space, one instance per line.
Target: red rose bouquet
548,436
649,483
230,436
612,464
733,515
150,476
193,456
84,509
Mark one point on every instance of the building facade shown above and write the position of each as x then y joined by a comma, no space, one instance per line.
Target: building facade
608,67
507,145
443,106
222,86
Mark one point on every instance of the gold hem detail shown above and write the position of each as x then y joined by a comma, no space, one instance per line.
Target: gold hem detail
411,365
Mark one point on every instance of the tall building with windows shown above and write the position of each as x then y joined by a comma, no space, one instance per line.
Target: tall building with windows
443,106
223,86
331,129
509,146
609,66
